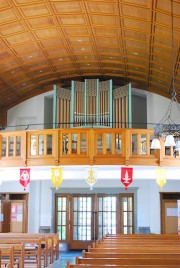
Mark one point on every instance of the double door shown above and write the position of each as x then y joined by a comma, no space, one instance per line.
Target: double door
81,219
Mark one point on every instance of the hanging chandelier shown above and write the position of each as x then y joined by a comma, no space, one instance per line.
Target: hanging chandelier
167,129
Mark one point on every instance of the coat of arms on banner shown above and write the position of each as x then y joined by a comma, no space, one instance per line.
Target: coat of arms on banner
126,176
24,177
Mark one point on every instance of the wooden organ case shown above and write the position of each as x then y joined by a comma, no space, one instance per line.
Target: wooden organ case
92,103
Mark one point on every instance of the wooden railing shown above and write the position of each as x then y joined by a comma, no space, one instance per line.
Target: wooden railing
83,146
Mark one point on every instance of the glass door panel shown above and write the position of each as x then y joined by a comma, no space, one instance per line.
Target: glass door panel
62,217
82,218
127,215
107,215
81,223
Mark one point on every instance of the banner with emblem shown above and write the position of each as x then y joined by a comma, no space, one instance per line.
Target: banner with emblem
56,174
91,179
161,177
24,177
126,176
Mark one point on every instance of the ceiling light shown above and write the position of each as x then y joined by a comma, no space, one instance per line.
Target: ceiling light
155,144
167,128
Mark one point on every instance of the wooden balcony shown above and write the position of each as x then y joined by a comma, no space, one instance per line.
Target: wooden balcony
83,146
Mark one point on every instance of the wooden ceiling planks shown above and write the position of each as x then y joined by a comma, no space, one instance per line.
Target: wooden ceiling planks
53,41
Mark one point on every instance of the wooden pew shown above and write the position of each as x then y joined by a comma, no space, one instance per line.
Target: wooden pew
7,255
49,243
161,236
128,261
130,255
69,265
144,239
31,254
142,236
12,254
138,238
135,249
137,244
140,250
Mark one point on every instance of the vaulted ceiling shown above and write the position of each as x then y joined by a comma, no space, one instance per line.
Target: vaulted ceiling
46,42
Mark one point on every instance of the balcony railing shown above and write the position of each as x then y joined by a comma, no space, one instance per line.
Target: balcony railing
83,146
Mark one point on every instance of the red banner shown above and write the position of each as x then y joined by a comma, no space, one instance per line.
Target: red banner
126,176
24,177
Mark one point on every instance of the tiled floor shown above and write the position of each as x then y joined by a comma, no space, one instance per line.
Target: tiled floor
65,257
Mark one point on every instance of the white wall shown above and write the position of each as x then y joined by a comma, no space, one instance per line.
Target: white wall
157,107
26,113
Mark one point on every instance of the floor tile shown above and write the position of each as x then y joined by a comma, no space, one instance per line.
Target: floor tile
64,257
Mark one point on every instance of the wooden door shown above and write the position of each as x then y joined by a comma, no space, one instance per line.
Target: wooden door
169,212
18,216
170,218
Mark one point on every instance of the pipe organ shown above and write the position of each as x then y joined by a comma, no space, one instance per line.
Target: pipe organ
93,103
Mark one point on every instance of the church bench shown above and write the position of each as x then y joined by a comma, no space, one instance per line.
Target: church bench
139,239
32,249
139,236
128,261
137,244
138,252
7,255
134,249
12,255
130,255
69,265
49,243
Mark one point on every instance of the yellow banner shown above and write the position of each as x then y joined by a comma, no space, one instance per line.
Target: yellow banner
161,177
57,176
